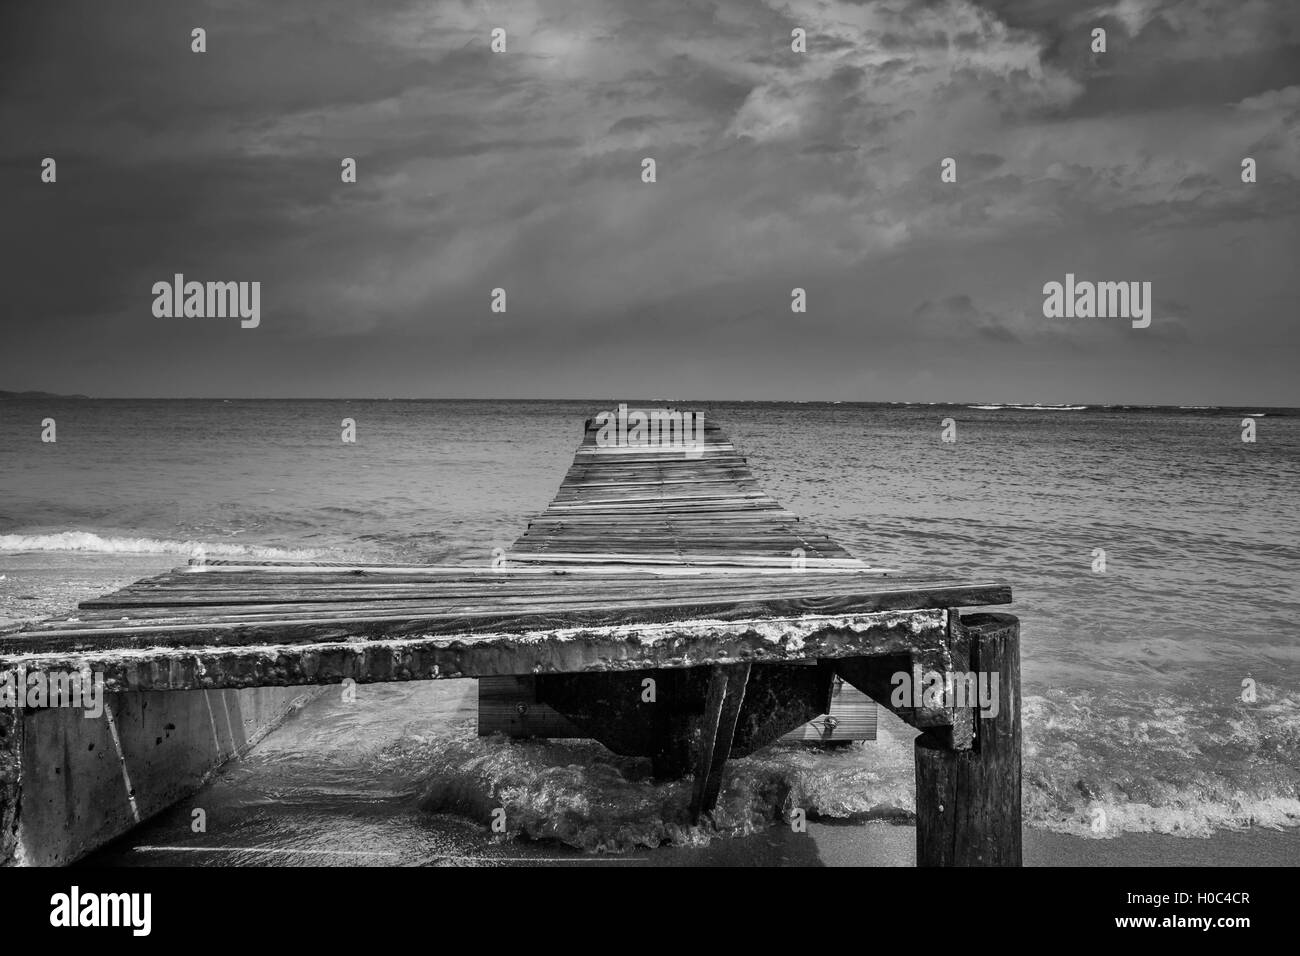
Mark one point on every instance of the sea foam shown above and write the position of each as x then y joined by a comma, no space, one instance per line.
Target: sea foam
90,542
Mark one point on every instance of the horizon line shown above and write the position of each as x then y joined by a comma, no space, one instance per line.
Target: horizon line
48,396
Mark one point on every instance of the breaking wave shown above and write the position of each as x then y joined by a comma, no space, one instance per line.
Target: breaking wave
582,795
1165,768
86,541
1099,767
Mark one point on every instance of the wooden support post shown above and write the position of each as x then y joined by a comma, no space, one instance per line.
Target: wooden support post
722,708
968,801
11,757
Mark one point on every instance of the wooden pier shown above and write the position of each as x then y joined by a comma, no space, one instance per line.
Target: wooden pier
662,604
640,507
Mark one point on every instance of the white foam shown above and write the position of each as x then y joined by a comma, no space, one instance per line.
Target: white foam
87,541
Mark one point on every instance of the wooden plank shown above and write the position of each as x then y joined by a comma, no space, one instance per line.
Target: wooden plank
852,716
548,588
781,559
685,615
775,595
726,694
634,582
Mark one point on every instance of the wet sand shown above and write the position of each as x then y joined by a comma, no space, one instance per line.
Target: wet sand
44,584
885,844
453,841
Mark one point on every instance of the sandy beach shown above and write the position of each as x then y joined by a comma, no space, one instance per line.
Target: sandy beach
46,584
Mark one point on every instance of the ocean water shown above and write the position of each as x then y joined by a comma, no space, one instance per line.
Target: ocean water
1132,678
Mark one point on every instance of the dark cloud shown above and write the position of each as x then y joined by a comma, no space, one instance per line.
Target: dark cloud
522,171
635,124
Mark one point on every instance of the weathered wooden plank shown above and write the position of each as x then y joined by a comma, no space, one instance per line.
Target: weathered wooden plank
640,582
781,559
799,593
250,629
773,590
548,590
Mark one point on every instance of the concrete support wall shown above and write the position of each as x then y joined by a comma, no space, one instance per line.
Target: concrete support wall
69,784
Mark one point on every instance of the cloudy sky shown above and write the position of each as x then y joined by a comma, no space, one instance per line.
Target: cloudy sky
775,169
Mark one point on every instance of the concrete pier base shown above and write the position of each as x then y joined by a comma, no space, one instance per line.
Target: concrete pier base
69,784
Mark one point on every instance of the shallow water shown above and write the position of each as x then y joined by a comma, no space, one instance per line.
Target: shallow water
1132,677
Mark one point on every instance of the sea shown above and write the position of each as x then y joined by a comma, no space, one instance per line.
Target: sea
1153,554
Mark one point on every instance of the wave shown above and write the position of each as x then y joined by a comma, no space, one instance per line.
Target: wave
1033,408
1049,408
1190,817
1099,767
581,794
87,541
1080,779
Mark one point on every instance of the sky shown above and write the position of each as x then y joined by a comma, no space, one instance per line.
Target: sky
775,170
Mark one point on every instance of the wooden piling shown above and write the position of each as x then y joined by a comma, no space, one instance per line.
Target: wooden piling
968,801
726,694
11,756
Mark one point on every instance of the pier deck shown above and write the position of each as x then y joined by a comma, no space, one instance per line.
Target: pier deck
660,569
696,507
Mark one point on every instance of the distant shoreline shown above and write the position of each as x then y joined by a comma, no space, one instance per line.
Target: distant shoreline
6,396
